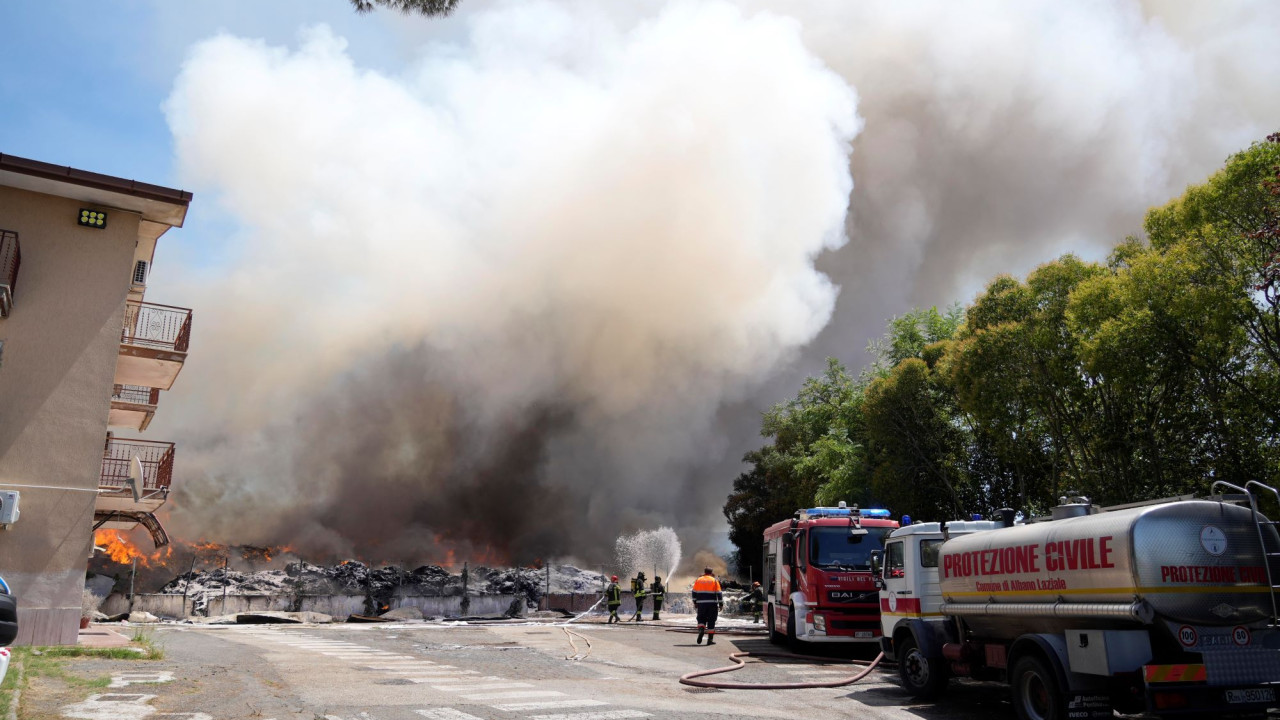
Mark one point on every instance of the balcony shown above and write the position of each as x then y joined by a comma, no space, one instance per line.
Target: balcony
153,344
10,259
114,494
133,406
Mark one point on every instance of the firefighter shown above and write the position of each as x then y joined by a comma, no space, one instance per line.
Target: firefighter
659,594
754,601
638,591
709,599
613,598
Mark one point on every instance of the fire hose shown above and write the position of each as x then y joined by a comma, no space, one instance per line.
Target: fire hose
577,654
739,663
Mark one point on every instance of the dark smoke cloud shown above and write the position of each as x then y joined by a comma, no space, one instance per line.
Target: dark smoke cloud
550,275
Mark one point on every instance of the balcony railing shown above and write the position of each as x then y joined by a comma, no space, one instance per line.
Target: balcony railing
10,259
156,458
136,394
162,327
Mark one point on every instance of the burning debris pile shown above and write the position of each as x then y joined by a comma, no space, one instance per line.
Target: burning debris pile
380,585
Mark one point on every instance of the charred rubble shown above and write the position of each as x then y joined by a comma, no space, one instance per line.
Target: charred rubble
381,585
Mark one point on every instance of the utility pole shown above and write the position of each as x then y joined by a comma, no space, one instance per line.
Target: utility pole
187,586
547,595
466,601
132,576
225,560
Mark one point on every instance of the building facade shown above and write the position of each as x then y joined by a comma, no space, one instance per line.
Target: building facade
84,359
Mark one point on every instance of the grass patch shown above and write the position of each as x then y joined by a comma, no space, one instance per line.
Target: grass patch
49,663
145,639
116,653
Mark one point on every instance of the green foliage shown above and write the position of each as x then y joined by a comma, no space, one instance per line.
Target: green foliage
1147,376
428,8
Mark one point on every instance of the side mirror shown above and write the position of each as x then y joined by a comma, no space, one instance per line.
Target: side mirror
877,562
788,550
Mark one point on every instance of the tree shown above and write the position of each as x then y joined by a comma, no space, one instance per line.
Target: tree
813,444
428,8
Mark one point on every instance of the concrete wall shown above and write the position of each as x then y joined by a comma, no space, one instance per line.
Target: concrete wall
60,347
338,606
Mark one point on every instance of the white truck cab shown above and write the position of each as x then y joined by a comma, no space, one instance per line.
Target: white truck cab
910,590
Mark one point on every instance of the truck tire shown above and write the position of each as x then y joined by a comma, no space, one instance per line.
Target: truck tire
1036,694
793,642
923,677
775,637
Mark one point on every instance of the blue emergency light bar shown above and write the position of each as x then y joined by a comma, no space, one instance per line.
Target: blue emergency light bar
845,512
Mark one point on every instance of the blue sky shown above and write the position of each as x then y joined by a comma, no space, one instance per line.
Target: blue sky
84,83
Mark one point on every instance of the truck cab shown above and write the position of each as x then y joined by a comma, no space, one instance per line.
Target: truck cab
912,625
818,575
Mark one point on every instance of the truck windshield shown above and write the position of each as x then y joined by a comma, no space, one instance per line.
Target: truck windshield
835,547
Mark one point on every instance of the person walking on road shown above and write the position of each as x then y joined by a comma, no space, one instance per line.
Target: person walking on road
755,601
709,599
659,594
638,592
613,598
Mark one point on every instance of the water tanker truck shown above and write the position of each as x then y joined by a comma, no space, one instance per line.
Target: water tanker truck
1167,607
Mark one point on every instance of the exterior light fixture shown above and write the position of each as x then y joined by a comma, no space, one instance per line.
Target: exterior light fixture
93,218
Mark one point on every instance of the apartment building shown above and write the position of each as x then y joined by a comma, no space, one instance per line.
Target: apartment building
84,360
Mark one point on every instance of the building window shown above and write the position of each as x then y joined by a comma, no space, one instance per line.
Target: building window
140,273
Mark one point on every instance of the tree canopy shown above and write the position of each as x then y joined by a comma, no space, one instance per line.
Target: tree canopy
1148,375
429,8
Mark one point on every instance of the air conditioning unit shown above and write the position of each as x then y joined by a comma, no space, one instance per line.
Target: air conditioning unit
140,273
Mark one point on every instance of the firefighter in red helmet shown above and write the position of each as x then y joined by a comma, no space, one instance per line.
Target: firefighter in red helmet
613,598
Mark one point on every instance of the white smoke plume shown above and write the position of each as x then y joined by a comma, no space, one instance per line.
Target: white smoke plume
545,278
529,263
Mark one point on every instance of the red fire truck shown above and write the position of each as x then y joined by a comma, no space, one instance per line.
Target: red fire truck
817,574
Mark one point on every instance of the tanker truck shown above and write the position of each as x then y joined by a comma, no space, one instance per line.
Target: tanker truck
1167,607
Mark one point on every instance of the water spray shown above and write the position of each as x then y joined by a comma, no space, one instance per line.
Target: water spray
659,549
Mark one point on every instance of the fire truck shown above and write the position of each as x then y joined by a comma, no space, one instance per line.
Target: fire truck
1167,607
817,574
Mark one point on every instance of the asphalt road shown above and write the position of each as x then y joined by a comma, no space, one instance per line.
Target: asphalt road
501,672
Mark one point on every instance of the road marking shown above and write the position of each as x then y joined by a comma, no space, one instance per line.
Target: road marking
406,659
402,662
515,695
468,679
445,714
429,670
549,705
490,686
604,715
126,679
425,679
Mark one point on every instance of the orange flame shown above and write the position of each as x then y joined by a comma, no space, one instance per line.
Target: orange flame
120,550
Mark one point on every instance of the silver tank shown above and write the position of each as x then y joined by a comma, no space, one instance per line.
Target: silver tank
1192,561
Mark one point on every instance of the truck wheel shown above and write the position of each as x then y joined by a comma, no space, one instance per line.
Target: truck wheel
793,642
1036,695
922,677
775,637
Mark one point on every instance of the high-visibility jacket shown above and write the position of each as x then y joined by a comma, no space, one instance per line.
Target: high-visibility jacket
658,591
706,589
613,595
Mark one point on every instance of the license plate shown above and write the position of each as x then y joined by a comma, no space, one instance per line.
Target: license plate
864,634
1255,695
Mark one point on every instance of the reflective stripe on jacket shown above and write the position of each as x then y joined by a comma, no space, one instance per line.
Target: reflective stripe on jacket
614,594
706,589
